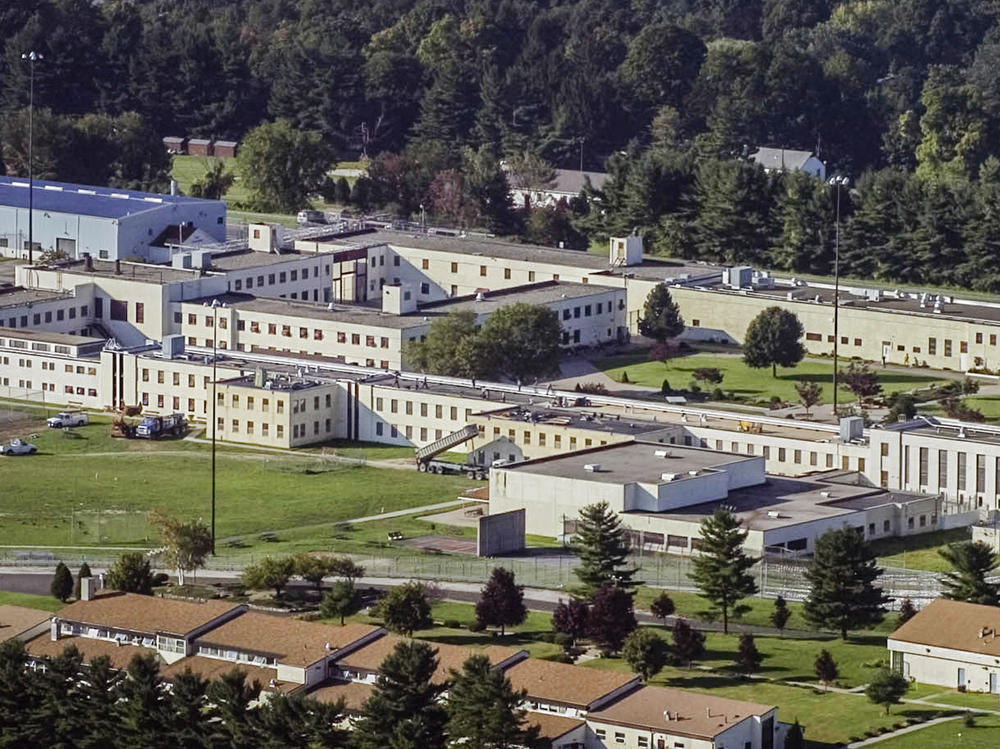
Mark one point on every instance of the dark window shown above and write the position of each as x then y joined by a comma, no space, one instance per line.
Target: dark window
119,310
140,312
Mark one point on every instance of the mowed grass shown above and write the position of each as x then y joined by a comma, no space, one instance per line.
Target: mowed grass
189,169
919,552
741,380
90,475
29,601
985,734
987,405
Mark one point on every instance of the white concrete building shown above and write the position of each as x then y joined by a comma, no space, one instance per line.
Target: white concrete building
950,644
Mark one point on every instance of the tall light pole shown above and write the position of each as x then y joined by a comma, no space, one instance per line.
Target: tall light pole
215,425
837,182
31,57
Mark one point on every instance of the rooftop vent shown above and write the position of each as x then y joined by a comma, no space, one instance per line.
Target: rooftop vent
662,453
693,472
774,514
592,467
668,476
825,494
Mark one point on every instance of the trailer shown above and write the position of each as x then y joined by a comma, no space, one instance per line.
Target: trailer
155,427
427,456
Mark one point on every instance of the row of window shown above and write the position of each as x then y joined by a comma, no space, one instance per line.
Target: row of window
962,478
281,277
423,408
38,317
250,428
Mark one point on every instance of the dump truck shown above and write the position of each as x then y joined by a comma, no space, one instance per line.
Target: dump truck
427,461
65,419
155,427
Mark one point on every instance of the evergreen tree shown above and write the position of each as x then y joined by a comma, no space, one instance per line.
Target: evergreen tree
61,586
19,694
826,667
780,614
748,658
571,618
795,737
611,618
906,612
484,709
232,696
807,223
99,692
688,643
142,703
57,718
662,606
340,601
842,577
661,319
602,544
405,609
297,722
131,573
887,688
721,571
772,340
403,710
188,711
501,602
971,563
645,652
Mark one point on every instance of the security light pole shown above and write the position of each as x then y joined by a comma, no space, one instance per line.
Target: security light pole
215,424
837,182
31,58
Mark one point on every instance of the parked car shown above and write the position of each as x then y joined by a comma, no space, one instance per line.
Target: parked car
68,419
18,447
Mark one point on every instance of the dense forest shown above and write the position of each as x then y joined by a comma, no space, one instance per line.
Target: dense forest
669,96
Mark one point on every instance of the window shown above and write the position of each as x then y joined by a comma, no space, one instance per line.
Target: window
425,264
980,473
923,467
814,337
979,337
961,470
942,469
506,273
119,310
963,346
482,270
857,341
781,455
932,346
947,347
425,288
531,276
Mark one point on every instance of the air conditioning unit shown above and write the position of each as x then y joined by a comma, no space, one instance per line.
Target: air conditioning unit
592,467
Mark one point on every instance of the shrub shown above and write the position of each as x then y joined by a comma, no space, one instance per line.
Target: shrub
625,376
451,624
560,657
665,388
476,626
718,394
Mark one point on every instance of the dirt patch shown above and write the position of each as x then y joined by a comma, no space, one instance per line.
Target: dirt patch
14,423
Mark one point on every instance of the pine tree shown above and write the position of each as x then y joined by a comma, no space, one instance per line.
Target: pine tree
501,602
721,571
748,658
403,709
645,652
189,712
842,577
484,709
662,606
972,562
142,700
297,722
806,242
772,340
780,614
602,544
688,643
61,586
661,318
232,696
826,667
611,618
906,612
99,692
795,737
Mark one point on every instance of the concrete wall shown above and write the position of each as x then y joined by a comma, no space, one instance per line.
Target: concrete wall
941,666
500,533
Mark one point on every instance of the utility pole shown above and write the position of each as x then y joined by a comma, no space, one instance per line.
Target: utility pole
215,424
31,58
837,182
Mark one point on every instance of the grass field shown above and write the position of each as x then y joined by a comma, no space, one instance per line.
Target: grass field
44,603
985,734
987,405
918,552
740,379
51,498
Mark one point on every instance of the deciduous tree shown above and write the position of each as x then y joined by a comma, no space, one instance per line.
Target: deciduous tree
886,688
809,394
772,340
341,600
282,167
523,341
825,667
501,602
645,652
405,609
780,614
611,618
906,612
131,573
662,606
572,618
269,572
186,545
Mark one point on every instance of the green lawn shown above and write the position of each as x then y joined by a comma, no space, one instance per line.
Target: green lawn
188,169
44,603
987,405
88,483
738,378
918,552
985,734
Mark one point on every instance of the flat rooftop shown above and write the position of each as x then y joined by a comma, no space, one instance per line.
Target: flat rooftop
243,259
44,336
780,502
630,462
932,427
580,418
87,200
18,296
141,272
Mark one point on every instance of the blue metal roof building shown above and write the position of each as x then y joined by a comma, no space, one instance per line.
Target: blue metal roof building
104,222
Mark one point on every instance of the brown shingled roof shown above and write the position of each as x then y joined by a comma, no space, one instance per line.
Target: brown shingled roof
691,714
565,684
354,694
45,647
956,625
17,619
144,613
370,657
214,668
292,641
551,727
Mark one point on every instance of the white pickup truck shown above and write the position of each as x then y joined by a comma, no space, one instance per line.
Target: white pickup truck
68,419
18,447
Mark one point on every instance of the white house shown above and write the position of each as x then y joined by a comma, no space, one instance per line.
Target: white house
950,644
785,160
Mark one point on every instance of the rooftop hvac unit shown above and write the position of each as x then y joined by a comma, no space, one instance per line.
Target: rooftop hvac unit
851,428
693,472
592,467
774,514
662,453
668,476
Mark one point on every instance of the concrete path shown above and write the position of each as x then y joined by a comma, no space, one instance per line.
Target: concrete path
901,732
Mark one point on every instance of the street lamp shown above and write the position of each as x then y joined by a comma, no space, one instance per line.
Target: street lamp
215,425
31,58
837,182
